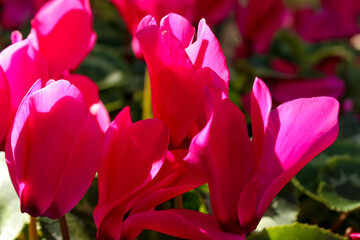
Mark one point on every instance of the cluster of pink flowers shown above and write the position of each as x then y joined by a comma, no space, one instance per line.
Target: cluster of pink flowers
56,132
52,121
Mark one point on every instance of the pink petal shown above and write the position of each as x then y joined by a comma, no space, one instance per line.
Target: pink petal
146,21
66,24
176,88
91,93
297,132
132,148
177,95
57,110
163,50
228,168
260,110
175,178
179,27
22,55
129,149
180,223
120,123
5,108
206,52
80,171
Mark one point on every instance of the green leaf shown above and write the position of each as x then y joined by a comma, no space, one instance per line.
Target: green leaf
313,181
340,183
296,231
12,221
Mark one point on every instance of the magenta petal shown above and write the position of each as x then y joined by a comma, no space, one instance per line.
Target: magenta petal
180,223
177,95
134,149
176,88
175,178
260,110
144,144
120,123
206,52
228,168
22,55
247,208
126,148
83,164
180,27
163,50
299,131
5,108
91,93
146,21
66,24
57,110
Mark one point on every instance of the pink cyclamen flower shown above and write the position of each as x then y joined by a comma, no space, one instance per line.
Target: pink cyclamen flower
179,71
15,13
53,149
334,21
20,55
126,188
37,57
68,25
245,175
133,11
258,21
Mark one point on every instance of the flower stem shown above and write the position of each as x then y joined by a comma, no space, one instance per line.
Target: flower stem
339,221
147,110
32,229
64,229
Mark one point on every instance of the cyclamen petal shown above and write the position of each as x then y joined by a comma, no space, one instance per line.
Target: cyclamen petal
180,223
133,11
284,141
91,93
22,55
302,128
66,24
206,52
5,108
174,62
41,166
127,146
